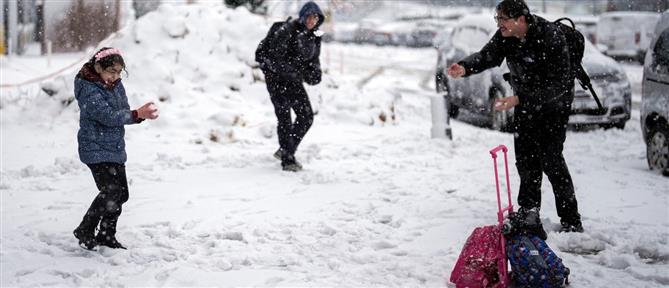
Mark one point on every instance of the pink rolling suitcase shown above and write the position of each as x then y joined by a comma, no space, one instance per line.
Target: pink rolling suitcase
482,261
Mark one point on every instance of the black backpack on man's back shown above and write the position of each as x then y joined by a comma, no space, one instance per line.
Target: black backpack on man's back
262,52
576,43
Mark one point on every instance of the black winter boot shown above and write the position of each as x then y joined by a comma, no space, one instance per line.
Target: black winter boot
278,154
85,233
288,163
107,234
574,226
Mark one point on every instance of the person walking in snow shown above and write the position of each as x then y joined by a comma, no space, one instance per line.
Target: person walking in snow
291,57
104,111
537,55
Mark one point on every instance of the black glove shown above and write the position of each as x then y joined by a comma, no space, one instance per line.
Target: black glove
313,78
313,74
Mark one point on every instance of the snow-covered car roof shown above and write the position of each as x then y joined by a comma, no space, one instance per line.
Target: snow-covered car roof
481,20
631,14
662,23
592,19
578,19
396,27
626,19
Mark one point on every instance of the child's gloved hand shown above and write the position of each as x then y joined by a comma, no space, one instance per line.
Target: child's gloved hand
148,111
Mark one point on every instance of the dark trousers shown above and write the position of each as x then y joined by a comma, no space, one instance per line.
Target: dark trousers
107,206
287,95
538,145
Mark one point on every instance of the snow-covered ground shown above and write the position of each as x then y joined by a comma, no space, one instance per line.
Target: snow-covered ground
378,204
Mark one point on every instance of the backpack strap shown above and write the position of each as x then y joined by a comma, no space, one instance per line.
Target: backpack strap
584,80
581,75
565,18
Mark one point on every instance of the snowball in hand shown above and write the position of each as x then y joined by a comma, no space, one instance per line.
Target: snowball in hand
154,110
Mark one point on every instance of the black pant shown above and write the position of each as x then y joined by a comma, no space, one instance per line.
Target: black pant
538,146
287,95
113,192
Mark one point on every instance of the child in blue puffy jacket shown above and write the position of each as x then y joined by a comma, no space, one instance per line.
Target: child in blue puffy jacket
104,113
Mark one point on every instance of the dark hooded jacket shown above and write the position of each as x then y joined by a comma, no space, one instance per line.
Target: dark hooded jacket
539,65
294,51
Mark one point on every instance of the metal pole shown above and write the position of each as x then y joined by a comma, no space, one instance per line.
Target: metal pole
441,127
40,29
48,53
117,18
3,43
12,27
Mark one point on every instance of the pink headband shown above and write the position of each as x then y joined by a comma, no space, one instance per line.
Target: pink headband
105,53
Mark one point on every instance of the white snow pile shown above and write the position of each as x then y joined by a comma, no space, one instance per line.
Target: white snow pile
200,58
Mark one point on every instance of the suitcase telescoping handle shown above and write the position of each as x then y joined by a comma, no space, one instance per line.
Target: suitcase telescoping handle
500,209
502,265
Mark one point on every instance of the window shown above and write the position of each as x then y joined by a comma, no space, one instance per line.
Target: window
661,51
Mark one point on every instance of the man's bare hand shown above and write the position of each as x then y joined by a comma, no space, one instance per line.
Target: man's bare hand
506,103
456,71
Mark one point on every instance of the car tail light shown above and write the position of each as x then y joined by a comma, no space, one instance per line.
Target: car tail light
637,37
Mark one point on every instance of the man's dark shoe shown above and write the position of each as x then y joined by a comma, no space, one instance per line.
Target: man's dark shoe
568,227
109,241
538,230
86,238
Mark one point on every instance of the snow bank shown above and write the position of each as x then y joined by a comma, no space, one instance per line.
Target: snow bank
196,63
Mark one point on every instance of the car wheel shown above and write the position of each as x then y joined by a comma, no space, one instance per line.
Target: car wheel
442,86
453,110
620,125
439,83
499,119
657,149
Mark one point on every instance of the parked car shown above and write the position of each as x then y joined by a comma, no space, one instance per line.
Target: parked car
655,99
477,93
611,85
626,33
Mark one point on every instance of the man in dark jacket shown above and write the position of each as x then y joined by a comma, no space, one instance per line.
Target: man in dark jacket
292,58
537,55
